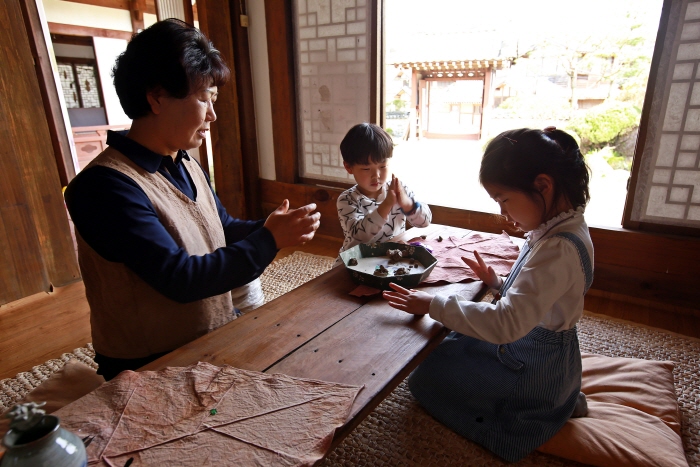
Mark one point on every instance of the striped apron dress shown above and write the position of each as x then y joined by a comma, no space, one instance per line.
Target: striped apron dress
509,398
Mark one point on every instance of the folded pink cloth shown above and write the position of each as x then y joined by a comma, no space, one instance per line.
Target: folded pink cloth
209,415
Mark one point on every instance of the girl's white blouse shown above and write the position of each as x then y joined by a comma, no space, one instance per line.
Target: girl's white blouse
548,291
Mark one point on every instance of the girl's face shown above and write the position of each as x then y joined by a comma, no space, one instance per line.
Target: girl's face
370,177
520,208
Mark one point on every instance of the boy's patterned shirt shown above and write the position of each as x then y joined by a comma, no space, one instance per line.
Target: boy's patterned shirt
361,223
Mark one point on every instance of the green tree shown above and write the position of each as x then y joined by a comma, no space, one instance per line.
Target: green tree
618,57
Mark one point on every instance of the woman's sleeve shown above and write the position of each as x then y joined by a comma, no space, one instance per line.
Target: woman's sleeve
116,218
552,269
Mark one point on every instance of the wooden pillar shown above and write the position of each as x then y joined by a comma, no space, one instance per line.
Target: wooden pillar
246,110
415,111
215,21
56,119
280,40
487,103
36,247
137,8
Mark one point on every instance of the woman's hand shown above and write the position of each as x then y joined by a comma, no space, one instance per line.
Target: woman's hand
410,301
485,273
292,227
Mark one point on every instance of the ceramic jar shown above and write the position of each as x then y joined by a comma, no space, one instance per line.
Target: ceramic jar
44,444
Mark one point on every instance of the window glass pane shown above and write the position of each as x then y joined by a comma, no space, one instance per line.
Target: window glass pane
87,80
70,92
454,80
333,79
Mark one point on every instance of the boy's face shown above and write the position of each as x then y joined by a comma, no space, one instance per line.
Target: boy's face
370,177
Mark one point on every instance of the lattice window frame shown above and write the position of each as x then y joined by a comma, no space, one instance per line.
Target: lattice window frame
74,63
333,63
664,192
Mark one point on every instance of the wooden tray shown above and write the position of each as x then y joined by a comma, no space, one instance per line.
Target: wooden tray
368,250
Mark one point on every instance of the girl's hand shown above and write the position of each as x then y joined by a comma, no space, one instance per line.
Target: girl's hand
410,301
402,198
485,273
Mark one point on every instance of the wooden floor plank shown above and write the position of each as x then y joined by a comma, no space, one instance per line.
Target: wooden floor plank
43,326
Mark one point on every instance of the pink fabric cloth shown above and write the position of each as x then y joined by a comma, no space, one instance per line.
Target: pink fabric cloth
498,251
209,415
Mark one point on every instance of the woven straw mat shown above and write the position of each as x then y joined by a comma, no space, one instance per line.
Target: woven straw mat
400,433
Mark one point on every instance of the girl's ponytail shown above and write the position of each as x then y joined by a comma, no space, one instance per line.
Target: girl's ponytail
578,176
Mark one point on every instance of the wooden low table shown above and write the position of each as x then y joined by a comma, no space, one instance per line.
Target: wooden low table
319,331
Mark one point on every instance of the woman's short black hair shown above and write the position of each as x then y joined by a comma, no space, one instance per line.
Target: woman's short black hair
366,142
515,158
171,55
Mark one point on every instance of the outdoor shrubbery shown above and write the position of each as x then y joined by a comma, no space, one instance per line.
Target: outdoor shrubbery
610,128
614,159
606,125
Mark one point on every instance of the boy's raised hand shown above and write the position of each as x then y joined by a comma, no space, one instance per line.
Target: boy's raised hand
385,206
402,198
485,273
292,227
410,301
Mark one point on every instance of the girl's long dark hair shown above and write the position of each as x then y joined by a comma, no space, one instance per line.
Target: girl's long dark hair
515,158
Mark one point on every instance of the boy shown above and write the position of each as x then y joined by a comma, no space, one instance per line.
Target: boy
377,207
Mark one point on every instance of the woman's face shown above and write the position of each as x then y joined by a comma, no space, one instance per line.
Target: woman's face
186,121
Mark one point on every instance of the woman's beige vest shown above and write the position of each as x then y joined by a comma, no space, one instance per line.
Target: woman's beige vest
129,318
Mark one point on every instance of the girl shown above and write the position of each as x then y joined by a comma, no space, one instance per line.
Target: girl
508,376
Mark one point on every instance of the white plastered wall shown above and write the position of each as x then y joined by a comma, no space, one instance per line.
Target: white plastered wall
91,16
106,51
257,35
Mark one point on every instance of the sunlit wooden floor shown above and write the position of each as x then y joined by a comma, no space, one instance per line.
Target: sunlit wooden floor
44,326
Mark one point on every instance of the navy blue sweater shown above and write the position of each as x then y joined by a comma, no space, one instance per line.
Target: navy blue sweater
116,218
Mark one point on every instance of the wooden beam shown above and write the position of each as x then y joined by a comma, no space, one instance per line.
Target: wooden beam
73,30
118,4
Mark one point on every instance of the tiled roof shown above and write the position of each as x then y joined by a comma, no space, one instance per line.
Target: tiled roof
455,66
